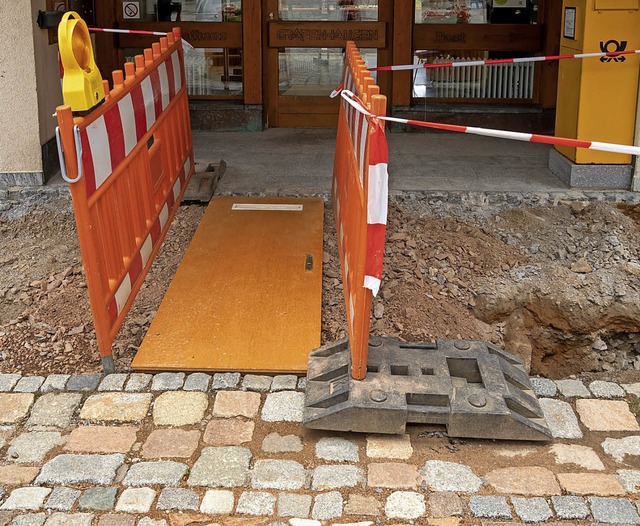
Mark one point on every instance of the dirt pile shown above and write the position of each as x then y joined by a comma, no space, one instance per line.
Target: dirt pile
556,283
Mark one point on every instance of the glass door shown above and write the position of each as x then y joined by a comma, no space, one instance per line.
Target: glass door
304,58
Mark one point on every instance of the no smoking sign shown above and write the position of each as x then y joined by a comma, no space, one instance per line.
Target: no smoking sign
131,10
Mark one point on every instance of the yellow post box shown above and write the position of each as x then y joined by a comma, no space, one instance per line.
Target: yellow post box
597,97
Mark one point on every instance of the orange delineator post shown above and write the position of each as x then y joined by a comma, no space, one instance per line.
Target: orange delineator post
350,196
128,162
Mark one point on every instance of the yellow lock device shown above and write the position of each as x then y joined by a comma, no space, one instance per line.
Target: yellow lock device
597,97
82,87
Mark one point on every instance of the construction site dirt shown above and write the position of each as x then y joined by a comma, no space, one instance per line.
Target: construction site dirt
557,285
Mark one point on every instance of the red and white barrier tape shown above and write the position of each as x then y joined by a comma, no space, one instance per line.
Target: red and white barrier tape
463,63
186,46
501,134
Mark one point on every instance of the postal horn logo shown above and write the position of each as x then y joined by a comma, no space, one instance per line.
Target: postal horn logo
613,46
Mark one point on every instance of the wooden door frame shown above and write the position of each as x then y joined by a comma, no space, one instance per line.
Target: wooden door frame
272,29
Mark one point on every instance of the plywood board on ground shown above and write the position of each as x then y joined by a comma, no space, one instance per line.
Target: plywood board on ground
247,295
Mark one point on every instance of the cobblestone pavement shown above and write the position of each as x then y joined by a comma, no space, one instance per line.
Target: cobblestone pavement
176,449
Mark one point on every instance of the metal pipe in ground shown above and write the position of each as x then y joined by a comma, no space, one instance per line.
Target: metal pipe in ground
635,181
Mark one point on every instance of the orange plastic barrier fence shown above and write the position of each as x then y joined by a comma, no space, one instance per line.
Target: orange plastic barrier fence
128,161
360,202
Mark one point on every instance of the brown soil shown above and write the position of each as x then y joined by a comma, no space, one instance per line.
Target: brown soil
446,276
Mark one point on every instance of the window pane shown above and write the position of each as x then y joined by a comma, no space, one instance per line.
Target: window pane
315,72
192,10
476,11
328,10
212,72
498,81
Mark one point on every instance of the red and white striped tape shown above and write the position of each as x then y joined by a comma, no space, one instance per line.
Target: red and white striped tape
501,134
139,262
185,45
112,136
463,63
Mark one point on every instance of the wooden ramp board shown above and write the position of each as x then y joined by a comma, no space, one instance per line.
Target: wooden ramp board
247,295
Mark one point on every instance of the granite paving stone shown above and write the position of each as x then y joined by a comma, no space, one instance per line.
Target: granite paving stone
277,474
622,447
14,475
167,381
62,499
8,381
117,519
445,504
333,476
606,415
602,389
236,403
405,505
228,432
582,456
69,519
74,469
217,502
254,382
283,406
54,410
148,521
524,480
543,387
394,475
29,498
113,382
29,384
14,406
29,519
221,466
632,389
561,419
448,476
178,499
101,439
98,499
116,407
599,484
572,389
225,381
136,500
302,383
197,382
327,506
32,447
570,507
294,505
337,450
304,522
55,382
535,509
256,503
161,473
276,443
83,382
362,505
179,408
171,443
613,511
489,507
629,479
138,382
284,382
389,446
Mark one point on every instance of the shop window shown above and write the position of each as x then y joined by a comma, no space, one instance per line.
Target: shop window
190,11
476,11
210,73
325,10
314,72
499,81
